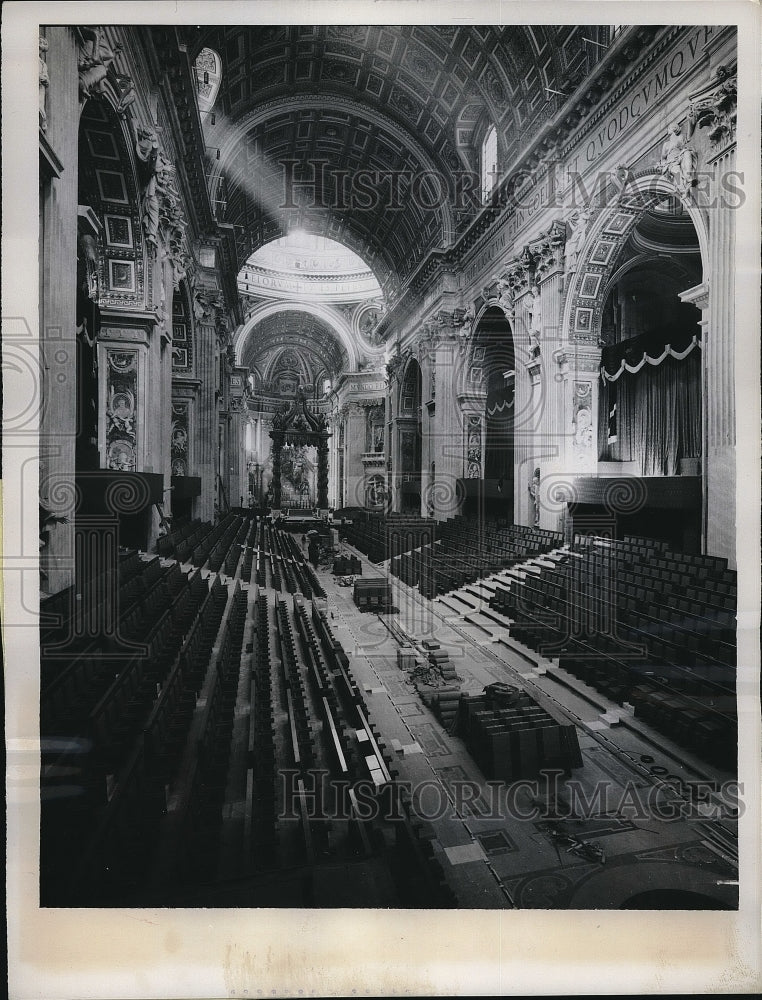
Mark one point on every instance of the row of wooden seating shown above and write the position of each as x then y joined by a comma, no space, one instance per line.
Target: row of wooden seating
466,552
667,573
249,543
104,706
91,612
261,555
300,576
184,550
271,557
351,699
168,544
228,545
690,696
342,753
202,548
57,610
72,682
587,609
106,717
669,605
382,538
201,808
302,740
166,730
587,612
261,779
282,561
653,548
689,625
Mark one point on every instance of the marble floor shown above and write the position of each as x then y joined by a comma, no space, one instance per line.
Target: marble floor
495,848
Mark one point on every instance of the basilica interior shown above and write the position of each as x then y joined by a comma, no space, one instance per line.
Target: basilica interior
387,466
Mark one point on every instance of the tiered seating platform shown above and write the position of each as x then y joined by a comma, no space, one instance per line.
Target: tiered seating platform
646,626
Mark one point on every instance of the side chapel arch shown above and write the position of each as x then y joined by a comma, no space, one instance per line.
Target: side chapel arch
330,317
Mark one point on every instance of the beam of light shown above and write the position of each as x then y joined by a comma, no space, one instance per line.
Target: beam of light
248,171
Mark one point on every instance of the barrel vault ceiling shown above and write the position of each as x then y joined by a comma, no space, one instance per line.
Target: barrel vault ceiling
295,335
395,100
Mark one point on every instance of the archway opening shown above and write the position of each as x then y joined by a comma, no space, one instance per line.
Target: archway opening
411,439
493,367
650,402
304,265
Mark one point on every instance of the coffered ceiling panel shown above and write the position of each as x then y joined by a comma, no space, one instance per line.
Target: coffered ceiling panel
356,100
310,340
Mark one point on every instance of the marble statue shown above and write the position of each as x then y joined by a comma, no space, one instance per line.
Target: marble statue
534,324
44,83
574,244
678,157
95,60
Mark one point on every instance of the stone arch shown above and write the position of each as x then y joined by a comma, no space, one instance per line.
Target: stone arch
606,443
487,394
410,431
337,323
466,386
228,139
405,381
598,256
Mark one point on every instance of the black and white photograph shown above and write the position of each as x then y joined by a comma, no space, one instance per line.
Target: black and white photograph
390,396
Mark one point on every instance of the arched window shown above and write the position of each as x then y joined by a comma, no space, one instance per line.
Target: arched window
208,67
489,163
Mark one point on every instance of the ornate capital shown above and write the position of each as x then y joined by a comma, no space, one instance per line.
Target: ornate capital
206,307
534,367
578,359
395,364
715,107
538,259
463,321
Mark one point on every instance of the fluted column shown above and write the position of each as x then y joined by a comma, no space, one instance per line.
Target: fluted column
427,361
527,409
549,443
354,439
719,374
445,424
392,442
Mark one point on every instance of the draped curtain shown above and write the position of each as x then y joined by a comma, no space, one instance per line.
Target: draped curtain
498,459
658,415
